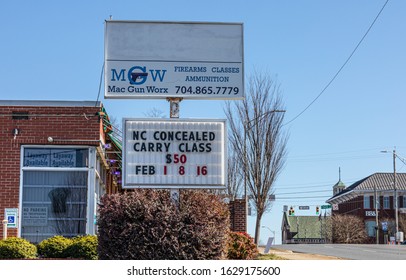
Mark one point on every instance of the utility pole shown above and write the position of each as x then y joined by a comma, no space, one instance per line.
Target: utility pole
376,216
395,192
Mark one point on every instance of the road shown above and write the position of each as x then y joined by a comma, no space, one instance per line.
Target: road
350,251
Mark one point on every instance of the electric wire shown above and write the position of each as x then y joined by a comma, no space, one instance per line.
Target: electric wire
100,85
341,68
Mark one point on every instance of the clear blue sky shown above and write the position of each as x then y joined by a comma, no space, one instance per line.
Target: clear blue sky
53,50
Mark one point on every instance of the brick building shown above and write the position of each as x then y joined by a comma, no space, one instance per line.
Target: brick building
54,166
369,197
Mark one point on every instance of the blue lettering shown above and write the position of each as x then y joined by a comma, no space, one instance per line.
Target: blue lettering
117,76
157,74
134,77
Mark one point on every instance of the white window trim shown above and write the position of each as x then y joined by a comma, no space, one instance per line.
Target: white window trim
90,228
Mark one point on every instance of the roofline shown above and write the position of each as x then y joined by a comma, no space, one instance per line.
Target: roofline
50,103
351,191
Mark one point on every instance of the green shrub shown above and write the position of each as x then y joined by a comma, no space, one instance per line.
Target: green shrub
83,247
146,225
17,248
54,247
241,246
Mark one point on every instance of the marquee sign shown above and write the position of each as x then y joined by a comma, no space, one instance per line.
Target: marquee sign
173,59
174,153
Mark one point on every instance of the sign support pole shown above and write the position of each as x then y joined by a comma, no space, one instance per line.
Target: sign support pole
174,114
4,222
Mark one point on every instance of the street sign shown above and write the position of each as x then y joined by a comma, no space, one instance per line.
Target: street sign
174,153
304,207
11,215
328,206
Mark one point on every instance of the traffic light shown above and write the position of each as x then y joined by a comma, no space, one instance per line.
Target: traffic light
291,211
317,210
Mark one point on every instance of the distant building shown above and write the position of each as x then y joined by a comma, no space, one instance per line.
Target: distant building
58,159
304,229
369,196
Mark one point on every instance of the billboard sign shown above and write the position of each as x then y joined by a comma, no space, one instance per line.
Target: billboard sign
174,153
191,60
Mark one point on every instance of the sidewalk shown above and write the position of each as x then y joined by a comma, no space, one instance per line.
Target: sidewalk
290,255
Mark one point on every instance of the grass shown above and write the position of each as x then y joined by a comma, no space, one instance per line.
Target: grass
269,257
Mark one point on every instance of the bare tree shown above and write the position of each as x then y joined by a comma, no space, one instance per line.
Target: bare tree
257,136
402,222
155,113
348,229
234,178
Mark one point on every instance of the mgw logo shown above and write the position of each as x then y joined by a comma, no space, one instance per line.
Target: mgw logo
137,75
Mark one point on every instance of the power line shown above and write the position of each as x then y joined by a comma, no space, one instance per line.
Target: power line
341,68
100,84
330,191
303,197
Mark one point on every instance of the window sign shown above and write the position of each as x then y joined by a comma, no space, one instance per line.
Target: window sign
42,157
35,216
63,158
37,157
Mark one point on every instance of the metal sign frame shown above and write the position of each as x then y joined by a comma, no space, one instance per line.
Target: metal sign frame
200,170
158,59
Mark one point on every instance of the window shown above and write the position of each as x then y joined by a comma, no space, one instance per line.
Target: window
404,201
386,202
19,116
370,227
54,193
367,202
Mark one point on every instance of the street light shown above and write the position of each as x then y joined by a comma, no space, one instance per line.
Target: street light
273,232
395,194
248,127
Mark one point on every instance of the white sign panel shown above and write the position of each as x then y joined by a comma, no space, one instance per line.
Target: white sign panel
11,215
174,59
35,216
174,153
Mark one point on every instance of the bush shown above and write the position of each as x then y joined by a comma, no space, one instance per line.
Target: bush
241,246
17,248
54,247
82,247
145,224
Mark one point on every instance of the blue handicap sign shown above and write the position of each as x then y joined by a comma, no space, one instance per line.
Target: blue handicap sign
11,219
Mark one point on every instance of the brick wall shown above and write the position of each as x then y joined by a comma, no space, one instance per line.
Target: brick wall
69,123
237,215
